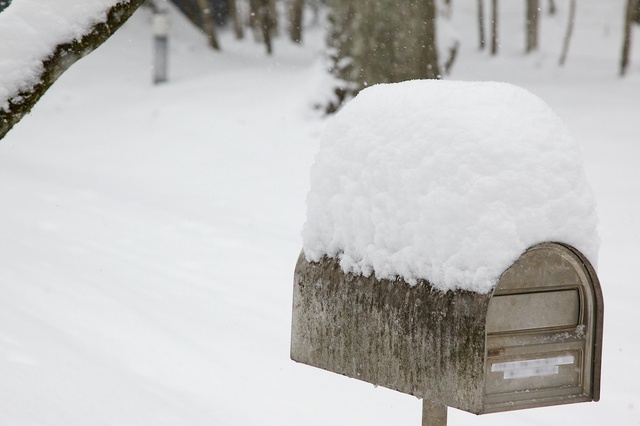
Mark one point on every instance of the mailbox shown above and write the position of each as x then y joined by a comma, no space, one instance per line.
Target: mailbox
535,340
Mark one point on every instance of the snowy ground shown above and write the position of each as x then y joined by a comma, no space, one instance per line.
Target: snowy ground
149,233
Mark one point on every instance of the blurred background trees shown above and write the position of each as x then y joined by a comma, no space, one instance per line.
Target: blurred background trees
378,41
383,41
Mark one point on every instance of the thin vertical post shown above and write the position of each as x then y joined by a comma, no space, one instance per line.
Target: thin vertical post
494,27
433,414
481,23
532,18
160,46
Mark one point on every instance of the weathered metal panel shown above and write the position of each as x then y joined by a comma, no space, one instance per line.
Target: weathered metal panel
544,328
535,341
413,339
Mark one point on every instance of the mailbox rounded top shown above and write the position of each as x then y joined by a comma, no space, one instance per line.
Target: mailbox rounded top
543,288
547,266
446,181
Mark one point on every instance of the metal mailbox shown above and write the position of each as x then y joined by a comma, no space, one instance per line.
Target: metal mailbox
536,340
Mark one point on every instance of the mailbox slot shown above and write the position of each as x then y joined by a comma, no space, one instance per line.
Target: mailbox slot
526,311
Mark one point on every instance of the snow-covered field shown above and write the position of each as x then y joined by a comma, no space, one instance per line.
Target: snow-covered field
149,234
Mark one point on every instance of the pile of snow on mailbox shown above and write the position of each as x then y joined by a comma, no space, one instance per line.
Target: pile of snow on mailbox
446,181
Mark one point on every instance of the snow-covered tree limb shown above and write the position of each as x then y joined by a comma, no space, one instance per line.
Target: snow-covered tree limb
20,94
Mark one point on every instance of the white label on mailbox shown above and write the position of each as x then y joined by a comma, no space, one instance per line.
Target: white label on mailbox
532,367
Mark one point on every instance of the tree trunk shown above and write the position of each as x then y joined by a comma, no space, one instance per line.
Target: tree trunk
254,11
482,39
235,18
267,22
262,19
533,7
296,10
626,44
57,61
206,14
273,11
567,36
380,41
494,27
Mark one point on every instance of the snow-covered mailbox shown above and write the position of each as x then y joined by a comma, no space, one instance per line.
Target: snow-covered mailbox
448,251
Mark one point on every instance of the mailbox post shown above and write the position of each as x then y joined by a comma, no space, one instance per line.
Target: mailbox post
535,341
160,46
433,414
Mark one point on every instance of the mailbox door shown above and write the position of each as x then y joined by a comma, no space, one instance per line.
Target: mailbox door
544,332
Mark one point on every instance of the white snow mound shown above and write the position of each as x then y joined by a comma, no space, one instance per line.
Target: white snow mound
446,181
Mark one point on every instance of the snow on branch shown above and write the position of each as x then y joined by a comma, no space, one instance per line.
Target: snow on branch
39,42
